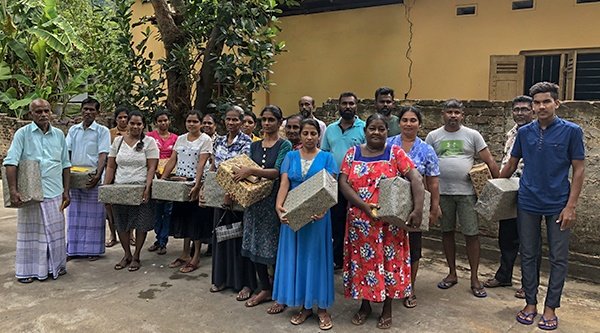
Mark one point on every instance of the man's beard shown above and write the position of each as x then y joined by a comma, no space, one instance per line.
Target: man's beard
347,115
306,113
385,111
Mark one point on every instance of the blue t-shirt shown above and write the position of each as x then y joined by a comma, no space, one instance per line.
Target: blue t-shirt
547,154
338,142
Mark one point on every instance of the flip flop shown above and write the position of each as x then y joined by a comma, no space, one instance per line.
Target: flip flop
243,295
520,293
93,258
135,265
410,301
122,264
384,323
444,284
253,302
360,318
276,308
478,292
188,268
493,283
111,243
216,289
325,322
26,280
526,318
177,262
548,324
301,317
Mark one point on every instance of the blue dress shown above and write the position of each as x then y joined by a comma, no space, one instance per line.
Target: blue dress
304,269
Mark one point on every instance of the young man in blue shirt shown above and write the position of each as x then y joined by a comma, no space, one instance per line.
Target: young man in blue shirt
549,146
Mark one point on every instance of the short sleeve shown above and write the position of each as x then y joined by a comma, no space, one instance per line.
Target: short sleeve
286,147
429,139
516,149
285,165
66,163
152,149
103,139
179,142
13,156
403,162
346,167
69,139
325,143
207,145
115,147
330,165
432,163
576,147
246,147
478,142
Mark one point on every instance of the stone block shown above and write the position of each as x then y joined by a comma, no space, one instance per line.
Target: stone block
313,197
213,193
498,199
247,191
479,175
171,190
121,194
80,175
396,203
29,183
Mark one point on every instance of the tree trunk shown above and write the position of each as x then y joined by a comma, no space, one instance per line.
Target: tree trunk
178,80
206,83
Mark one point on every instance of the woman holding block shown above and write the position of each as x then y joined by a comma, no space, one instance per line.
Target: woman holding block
376,254
304,270
188,220
132,160
261,223
426,162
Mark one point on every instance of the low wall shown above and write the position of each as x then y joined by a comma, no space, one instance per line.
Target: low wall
493,119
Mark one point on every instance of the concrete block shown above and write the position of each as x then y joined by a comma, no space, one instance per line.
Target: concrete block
80,176
396,203
313,197
29,183
121,194
169,190
498,200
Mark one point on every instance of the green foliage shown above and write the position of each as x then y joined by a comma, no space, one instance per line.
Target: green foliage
35,43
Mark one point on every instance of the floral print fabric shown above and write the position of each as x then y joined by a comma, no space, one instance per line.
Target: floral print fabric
376,254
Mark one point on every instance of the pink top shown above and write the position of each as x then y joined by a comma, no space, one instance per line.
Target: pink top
165,146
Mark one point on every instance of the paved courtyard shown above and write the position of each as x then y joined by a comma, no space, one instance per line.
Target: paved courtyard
93,297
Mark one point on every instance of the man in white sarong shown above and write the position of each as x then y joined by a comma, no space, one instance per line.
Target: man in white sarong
41,246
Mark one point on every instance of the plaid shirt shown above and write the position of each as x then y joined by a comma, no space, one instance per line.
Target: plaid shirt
508,146
223,152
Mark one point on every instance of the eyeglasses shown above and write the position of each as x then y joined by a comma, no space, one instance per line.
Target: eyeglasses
521,110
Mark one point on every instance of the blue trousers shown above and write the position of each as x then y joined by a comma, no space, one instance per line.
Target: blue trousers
161,224
530,230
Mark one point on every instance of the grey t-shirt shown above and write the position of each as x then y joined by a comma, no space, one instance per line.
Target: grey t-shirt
456,152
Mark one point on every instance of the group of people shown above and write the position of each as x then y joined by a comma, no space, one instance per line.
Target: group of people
262,258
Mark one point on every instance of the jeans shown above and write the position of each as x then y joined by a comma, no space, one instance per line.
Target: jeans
558,242
161,224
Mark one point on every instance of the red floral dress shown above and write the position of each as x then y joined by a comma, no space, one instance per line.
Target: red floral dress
376,254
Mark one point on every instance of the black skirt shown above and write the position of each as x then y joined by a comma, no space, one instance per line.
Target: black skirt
188,220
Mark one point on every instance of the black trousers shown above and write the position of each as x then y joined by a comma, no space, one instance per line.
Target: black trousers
508,241
338,228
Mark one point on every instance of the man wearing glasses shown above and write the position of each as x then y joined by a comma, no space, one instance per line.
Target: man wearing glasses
508,236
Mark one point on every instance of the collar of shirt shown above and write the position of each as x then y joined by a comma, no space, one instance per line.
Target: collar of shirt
35,127
93,126
356,123
554,122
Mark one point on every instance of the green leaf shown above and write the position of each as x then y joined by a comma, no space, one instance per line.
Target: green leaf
51,39
50,9
9,96
23,79
21,103
20,50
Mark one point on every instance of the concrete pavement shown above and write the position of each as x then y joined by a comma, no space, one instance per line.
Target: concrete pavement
93,297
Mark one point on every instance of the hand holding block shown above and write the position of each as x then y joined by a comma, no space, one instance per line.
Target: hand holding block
80,176
396,204
313,197
479,175
29,183
498,199
244,192
121,194
214,193
171,190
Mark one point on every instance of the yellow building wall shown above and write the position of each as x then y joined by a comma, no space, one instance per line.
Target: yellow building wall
362,49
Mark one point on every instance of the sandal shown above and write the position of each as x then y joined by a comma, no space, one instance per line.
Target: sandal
360,318
123,263
301,316
276,308
520,293
244,294
135,265
410,302
188,268
548,324
384,323
93,258
153,247
445,284
215,289
325,322
111,243
526,318
254,302
493,283
177,262
478,292
26,280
